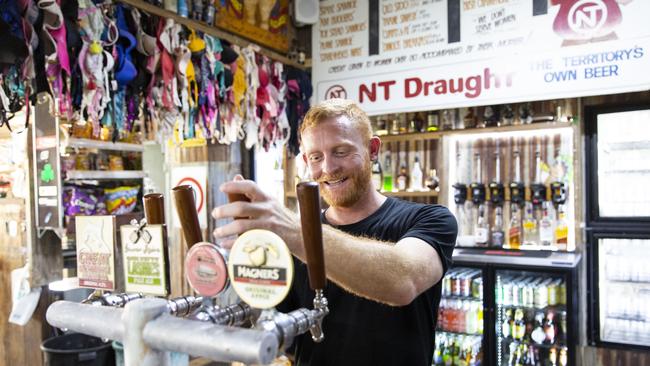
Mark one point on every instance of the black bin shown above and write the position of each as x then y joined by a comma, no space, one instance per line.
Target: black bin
75,349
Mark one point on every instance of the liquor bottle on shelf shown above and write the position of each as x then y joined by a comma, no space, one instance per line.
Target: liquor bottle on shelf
481,228
402,177
416,175
514,228
388,174
497,235
394,126
403,123
432,182
561,230
545,227
432,122
447,119
417,123
507,116
377,175
478,200
491,116
531,233
382,126
538,188
469,120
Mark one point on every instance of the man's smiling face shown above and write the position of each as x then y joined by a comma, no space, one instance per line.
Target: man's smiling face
337,155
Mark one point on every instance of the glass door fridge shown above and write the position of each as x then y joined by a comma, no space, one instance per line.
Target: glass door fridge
461,322
531,318
531,306
618,225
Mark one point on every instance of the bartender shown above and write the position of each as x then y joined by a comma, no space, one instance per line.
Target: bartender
384,257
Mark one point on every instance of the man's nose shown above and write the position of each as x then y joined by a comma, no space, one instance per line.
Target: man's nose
329,166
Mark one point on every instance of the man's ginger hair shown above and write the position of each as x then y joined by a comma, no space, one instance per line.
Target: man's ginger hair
336,107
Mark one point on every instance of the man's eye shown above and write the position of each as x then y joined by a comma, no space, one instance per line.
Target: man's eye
314,158
340,153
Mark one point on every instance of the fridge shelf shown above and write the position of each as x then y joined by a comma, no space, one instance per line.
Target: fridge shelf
547,307
440,330
509,340
626,282
466,298
630,318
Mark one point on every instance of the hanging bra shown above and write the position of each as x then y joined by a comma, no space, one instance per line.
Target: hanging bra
146,44
125,71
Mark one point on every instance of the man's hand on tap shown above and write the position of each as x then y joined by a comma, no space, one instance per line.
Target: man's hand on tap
262,212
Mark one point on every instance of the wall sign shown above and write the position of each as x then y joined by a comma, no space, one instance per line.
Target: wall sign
195,176
95,239
143,256
412,55
47,179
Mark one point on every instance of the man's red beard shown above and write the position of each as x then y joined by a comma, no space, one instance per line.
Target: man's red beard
361,183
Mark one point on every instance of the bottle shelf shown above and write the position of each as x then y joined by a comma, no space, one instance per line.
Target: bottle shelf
104,174
547,307
411,194
508,340
470,131
392,194
104,145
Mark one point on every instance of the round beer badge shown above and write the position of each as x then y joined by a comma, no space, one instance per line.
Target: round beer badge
260,268
205,269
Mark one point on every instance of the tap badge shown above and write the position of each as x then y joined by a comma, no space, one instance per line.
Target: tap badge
205,269
260,268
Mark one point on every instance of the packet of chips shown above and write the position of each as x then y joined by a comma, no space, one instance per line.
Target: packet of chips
80,201
121,200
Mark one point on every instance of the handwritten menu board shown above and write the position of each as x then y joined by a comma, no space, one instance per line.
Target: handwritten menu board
410,55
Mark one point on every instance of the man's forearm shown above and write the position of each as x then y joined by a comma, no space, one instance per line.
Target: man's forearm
368,268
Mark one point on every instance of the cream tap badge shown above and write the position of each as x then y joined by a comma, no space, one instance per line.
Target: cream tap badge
260,268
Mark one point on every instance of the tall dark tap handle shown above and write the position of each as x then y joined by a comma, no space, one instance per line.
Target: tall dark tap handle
234,197
154,209
312,233
186,209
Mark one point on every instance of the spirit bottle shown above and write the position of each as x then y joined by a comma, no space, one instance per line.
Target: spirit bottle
432,181
545,227
376,175
402,177
561,230
531,234
388,174
497,236
432,122
416,175
481,229
514,229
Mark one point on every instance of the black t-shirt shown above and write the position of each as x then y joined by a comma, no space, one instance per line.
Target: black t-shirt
363,332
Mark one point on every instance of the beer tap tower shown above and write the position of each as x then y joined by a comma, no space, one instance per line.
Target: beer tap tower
151,328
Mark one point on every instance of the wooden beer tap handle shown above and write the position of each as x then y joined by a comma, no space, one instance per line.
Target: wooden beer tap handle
234,197
186,209
154,209
312,232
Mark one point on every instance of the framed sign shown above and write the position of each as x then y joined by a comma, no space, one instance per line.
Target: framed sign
95,239
143,258
265,22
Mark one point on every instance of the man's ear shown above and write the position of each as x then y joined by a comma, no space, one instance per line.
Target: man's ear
304,157
374,147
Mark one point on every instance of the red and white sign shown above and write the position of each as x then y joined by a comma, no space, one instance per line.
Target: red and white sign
196,177
422,55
